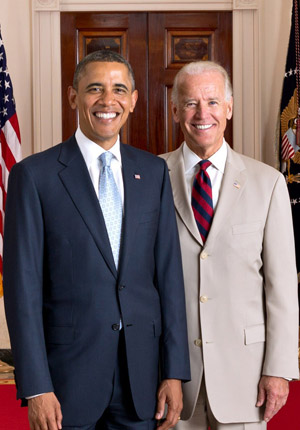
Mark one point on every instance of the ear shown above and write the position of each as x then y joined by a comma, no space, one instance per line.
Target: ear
229,108
72,97
134,97
174,109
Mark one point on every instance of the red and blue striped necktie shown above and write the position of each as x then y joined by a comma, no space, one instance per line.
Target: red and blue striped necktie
202,204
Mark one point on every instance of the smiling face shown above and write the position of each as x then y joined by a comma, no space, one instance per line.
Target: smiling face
202,111
104,99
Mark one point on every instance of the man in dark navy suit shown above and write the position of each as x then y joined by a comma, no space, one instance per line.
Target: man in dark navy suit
94,300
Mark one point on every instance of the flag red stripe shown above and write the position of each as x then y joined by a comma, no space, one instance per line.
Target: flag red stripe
1,223
7,155
15,124
287,151
3,198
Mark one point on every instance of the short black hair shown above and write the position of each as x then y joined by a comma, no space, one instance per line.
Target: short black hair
102,56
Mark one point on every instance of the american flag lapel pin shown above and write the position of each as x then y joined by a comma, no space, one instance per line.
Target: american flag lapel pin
137,176
237,185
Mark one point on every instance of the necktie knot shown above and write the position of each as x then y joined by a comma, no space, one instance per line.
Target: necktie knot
106,158
204,164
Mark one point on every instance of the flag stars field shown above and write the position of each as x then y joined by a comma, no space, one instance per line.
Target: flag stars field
10,140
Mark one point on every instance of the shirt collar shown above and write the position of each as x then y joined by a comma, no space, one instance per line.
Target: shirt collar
91,150
218,159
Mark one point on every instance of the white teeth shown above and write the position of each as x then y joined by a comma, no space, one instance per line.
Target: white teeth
104,115
203,127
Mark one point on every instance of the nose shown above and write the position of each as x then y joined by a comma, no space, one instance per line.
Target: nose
107,97
201,110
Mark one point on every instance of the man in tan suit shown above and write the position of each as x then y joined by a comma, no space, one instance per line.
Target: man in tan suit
240,278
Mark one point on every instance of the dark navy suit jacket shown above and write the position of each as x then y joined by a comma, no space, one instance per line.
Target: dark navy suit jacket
63,295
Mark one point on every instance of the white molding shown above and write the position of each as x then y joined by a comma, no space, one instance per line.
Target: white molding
46,5
47,64
245,4
246,110
118,6
47,109
144,5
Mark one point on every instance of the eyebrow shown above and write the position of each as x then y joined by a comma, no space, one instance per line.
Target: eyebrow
98,84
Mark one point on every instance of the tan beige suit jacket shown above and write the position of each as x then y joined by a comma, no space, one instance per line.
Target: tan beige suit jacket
241,287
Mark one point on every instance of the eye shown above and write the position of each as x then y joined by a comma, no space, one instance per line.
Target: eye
191,104
94,90
120,90
213,102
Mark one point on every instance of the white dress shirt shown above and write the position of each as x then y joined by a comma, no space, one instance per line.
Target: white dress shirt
91,153
215,171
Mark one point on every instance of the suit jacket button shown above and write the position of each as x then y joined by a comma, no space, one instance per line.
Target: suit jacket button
198,342
115,327
203,299
203,255
121,287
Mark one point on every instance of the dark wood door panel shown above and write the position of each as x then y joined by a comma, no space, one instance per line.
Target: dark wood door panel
83,33
176,39
157,44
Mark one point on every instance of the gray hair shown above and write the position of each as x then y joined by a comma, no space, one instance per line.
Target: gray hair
102,56
196,68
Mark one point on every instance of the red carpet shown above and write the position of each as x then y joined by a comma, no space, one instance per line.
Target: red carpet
13,417
289,417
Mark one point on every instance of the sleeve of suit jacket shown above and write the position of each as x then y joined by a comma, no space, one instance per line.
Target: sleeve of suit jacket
23,280
174,351
280,279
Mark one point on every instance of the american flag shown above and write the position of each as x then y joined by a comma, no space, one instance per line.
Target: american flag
287,150
290,125
10,140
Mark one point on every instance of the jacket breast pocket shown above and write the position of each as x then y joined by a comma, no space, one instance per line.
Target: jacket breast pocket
149,221
157,327
254,334
248,239
149,218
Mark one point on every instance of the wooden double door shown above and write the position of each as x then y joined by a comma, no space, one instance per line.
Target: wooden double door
157,45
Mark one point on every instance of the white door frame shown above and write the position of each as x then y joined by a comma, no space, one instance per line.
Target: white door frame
47,62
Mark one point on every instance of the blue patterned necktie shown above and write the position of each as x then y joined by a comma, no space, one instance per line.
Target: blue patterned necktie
111,205
202,203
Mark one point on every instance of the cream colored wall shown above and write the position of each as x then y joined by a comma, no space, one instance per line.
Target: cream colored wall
275,21
15,19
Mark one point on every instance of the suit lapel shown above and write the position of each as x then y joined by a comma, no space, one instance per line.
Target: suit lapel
134,193
181,199
77,182
232,187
